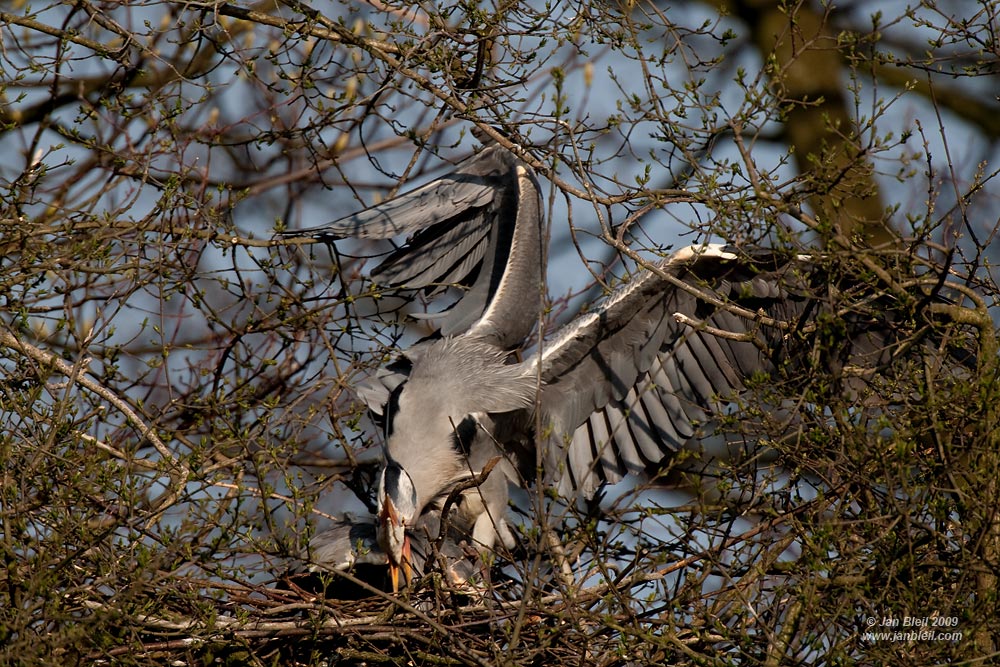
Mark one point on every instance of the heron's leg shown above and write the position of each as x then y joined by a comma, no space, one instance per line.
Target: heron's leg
484,533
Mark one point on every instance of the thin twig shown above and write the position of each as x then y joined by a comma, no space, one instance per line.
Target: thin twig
181,471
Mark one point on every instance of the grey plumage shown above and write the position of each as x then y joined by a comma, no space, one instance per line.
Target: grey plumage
477,226
439,427
615,391
350,541
344,544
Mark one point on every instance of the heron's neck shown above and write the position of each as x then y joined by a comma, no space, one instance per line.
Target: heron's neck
429,457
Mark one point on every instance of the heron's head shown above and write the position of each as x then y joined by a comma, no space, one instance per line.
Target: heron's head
397,511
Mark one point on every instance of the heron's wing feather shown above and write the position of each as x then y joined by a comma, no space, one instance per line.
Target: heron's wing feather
627,384
438,256
479,227
410,212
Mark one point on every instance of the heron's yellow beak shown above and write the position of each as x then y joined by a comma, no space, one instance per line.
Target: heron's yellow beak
404,565
395,542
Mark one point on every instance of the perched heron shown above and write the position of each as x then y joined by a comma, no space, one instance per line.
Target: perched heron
480,226
637,377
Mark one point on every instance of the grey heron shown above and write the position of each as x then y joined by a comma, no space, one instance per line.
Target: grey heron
639,375
350,542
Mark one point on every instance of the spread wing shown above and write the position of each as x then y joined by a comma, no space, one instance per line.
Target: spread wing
628,383
479,226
